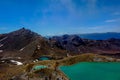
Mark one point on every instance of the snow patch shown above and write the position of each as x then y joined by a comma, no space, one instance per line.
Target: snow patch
19,57
36,60
2,61
16,62
1,45
21,49
3,39
1,51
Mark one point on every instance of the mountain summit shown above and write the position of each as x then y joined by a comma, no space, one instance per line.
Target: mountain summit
17,39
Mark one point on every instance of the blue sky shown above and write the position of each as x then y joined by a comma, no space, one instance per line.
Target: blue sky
55,17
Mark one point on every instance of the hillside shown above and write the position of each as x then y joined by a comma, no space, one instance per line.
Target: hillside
23,72
29,45
17,39
77,45
24,43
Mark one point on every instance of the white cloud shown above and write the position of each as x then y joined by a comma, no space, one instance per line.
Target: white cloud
109,21
112,20
116,13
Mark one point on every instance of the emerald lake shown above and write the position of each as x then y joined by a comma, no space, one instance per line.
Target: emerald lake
44,58
93,71
39,67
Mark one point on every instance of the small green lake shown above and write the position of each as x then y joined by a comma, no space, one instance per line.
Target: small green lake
93,71
44,58
39,67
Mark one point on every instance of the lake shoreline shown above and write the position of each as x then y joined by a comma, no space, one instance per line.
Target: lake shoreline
101,69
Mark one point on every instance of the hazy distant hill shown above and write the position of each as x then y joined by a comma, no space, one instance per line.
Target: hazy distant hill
100,36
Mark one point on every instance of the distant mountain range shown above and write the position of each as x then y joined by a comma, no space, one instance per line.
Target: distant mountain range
100,36
96,36
28,44
75,44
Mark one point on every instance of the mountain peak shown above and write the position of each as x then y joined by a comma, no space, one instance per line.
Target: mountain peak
23,31
18,39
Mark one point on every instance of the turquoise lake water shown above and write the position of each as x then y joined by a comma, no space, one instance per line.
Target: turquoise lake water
39,67
92,71
44,58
